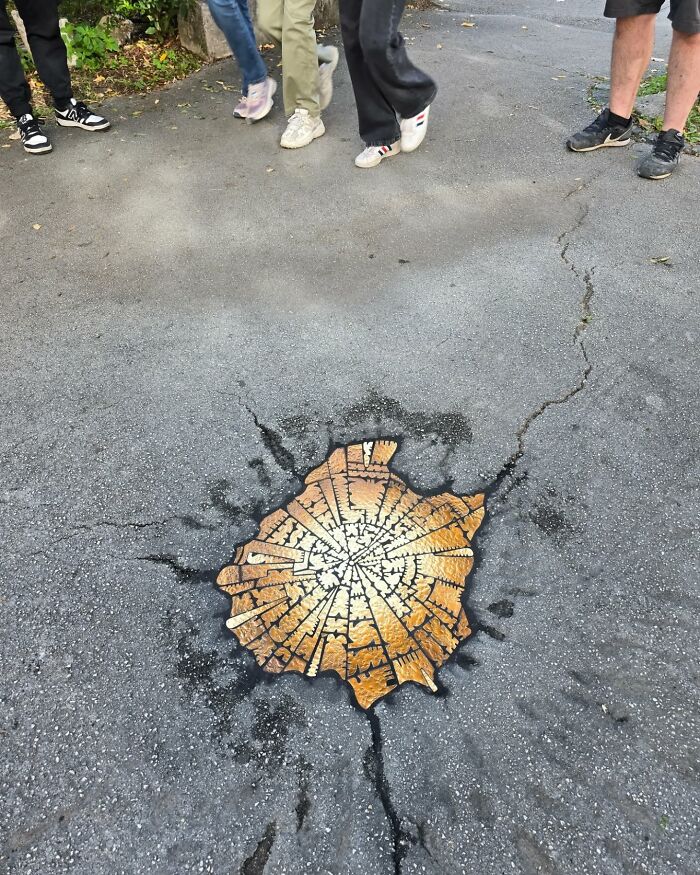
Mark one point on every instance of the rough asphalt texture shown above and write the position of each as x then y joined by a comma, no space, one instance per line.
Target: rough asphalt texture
198,316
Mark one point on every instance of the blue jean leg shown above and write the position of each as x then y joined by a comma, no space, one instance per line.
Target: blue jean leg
233,17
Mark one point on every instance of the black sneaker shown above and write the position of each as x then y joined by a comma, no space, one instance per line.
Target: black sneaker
599,134
80,116
33,138
664,157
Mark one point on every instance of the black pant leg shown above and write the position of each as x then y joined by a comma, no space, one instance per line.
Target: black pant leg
407,88
40,19
378,124
14,88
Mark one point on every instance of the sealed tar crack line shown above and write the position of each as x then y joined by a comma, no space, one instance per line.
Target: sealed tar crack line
509,469
374,769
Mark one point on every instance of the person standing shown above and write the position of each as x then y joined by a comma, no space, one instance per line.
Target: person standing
632,47
306,88
393,96
40,19
233,18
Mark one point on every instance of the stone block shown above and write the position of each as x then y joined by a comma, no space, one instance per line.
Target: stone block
200,35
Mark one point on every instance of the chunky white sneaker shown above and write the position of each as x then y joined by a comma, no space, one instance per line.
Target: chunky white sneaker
302,130
33,138
78,115
329,57
413,130
259,102
373,155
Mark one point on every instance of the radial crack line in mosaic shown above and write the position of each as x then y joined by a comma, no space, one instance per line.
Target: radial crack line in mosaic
358,575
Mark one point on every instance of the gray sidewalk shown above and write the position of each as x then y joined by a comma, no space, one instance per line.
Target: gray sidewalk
197,317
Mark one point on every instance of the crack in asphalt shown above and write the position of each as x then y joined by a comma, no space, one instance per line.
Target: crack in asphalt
273,444
508,470
255,864
374,769
82,528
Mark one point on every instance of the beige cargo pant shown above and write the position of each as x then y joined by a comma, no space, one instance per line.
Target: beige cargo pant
291,23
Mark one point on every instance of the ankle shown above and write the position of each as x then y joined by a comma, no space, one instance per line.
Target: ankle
621,120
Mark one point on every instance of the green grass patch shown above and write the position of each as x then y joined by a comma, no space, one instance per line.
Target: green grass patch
138,68
653,85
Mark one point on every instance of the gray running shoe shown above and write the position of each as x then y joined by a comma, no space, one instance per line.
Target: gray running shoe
664,157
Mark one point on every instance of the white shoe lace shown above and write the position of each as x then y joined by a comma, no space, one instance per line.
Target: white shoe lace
298,121
367,152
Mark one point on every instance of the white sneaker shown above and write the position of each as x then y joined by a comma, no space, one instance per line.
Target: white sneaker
301,130
329,57
373,155
413,130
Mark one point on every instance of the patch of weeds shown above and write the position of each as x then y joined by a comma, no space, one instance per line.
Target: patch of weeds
652,85
137,68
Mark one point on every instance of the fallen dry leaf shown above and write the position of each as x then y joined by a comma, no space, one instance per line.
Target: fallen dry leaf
36,226
468,24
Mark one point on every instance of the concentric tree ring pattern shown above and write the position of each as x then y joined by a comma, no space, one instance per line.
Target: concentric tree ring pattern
358,575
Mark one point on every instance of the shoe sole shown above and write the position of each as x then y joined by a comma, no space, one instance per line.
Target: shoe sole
663,175
41,150
379,160
63,123
317,133
612,144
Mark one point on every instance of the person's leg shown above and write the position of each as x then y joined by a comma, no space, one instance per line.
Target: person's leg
683,79
377,119
270,14
631,52
408,89
233,18
681,91
40,19
300,77
14,89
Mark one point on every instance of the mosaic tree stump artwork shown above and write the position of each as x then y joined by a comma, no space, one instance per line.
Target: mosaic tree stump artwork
358,575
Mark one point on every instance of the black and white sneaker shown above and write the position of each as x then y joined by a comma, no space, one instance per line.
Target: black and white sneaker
33,138
78,115
664,157
599,135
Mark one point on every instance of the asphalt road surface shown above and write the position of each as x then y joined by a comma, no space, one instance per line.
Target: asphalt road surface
199,316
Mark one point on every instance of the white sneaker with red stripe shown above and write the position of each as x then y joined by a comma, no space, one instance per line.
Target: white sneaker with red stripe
413,130
373,155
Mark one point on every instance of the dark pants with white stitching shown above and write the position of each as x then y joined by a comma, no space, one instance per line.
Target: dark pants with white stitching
40,19
384,79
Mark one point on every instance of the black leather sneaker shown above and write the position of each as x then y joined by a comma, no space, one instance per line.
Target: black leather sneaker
664,157
600,134
33,138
